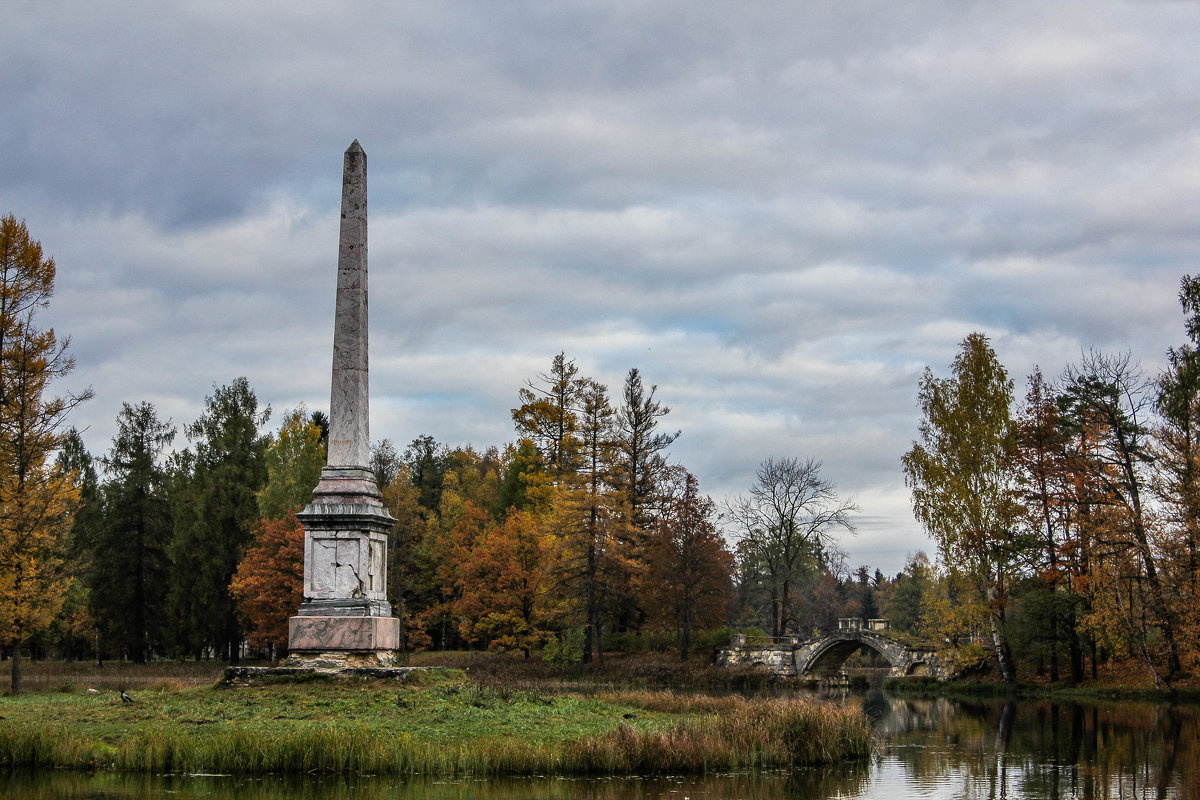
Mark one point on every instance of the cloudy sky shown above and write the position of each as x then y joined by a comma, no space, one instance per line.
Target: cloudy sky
779,212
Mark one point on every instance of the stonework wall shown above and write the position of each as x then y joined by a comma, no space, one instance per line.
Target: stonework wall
776,658
822,656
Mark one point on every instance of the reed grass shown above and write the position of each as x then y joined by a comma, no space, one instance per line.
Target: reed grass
637,732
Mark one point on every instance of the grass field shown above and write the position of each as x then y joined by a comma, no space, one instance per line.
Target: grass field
444,723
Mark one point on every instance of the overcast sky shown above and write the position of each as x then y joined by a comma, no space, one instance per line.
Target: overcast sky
781,213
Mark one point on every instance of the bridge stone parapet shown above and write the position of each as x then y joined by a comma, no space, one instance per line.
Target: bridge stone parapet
775,656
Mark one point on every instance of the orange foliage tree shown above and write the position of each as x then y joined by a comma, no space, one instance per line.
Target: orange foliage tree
269,583
689,581
506,585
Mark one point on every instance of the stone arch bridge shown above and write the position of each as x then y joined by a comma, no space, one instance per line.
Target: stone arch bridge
821,657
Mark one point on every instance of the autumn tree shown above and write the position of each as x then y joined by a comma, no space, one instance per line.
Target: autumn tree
294,458
522,483
507,585
961,475
1046,483
129,567
783,527
1176,479
1110,393
268,585
448,542
547,416
689,581
37,497
591,519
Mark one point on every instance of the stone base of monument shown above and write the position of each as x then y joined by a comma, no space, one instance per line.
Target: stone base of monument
342,660
337,643
343,633
251,676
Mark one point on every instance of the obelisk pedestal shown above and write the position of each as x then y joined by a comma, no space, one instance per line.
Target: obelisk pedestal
345,619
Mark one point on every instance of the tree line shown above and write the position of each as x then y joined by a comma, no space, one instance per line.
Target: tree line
576,536
1068,523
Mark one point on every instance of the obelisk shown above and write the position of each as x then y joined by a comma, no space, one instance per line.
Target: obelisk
345,619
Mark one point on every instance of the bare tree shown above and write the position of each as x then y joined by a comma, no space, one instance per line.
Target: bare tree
784,527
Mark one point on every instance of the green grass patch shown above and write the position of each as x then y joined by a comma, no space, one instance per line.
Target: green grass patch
442,725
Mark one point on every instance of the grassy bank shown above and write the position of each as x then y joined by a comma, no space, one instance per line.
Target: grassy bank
449,726
619,670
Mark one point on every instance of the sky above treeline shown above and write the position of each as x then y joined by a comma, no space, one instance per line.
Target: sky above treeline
780,213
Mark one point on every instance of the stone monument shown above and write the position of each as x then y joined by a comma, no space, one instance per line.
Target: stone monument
345,619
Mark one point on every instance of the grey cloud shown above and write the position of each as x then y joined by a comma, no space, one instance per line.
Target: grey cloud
781,213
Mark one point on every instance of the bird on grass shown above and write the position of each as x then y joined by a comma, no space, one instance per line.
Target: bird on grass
125,698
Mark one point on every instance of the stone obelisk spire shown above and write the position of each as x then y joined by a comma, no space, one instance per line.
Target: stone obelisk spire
349,440
345,619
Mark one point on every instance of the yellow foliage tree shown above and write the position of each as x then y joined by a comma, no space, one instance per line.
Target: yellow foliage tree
36,498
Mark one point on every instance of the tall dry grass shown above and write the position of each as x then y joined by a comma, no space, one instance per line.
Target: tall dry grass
714,734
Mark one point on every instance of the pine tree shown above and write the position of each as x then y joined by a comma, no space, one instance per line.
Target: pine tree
640,449
214,498
128,575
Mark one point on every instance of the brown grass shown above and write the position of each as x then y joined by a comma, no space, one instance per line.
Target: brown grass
115,676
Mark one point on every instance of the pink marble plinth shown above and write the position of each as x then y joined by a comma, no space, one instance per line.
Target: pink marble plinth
343,633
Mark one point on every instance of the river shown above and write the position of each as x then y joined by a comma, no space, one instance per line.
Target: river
925,748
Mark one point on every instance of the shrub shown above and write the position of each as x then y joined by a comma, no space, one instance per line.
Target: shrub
565,650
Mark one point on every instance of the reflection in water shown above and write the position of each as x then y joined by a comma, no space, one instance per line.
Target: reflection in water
928,748
806,783
1046,750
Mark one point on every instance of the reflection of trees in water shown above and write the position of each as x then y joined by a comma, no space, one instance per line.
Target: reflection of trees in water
843,780
1047,750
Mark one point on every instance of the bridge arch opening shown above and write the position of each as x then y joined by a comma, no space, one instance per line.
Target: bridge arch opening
828,661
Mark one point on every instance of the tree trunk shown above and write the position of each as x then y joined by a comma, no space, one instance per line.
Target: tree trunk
16,668
1074,647
685,632
1003,655
590,611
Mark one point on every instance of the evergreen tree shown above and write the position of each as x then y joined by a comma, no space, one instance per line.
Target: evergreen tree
128,575
640,449
77,625
427,463
215,488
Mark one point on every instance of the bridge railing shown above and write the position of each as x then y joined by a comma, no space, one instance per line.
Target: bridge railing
749,640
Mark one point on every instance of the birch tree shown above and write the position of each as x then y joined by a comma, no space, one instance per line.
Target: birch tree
962,479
